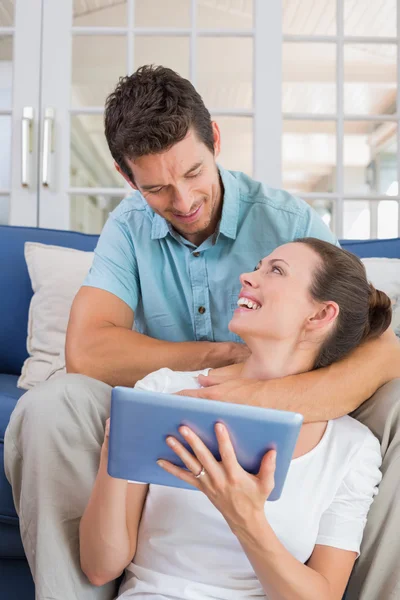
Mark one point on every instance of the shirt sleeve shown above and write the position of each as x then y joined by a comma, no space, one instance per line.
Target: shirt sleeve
342,524
157,381
313,226
114,267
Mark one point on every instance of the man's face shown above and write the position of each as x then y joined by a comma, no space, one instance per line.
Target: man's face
182,185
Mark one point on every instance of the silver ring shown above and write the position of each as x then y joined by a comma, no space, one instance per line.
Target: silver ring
202,472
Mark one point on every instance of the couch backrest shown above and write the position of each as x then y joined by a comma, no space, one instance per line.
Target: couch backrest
15,286
16,291
373,248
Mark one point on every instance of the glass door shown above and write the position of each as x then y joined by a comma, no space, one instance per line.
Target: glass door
89,44
20,39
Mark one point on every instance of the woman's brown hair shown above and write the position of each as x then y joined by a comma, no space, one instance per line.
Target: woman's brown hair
364,312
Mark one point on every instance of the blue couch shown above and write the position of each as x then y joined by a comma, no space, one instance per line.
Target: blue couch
15,295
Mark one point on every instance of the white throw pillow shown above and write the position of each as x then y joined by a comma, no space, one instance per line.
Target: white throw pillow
384,274
56,275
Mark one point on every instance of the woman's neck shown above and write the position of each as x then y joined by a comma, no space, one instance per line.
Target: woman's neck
272,359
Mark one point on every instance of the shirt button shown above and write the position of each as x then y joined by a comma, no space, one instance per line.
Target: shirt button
202,310
196,254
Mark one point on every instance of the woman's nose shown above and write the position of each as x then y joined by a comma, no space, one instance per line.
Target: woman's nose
248,279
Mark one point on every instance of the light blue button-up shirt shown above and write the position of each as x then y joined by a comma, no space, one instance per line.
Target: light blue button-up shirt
180,292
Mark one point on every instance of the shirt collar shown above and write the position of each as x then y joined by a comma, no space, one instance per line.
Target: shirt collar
160,227
230,211
230,208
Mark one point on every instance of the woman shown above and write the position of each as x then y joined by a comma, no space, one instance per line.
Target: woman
305,306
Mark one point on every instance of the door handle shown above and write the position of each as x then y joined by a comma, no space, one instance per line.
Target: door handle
48,145
26,147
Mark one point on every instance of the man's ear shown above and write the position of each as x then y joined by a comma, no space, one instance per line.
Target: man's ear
217,139
325,315
125,176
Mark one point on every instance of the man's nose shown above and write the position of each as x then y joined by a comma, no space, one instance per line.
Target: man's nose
183,200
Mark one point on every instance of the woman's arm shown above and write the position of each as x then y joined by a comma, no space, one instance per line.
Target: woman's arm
283,577
109,526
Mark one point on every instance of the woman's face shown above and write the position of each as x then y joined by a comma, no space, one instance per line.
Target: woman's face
279,290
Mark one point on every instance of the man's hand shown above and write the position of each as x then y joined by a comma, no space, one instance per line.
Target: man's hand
237,391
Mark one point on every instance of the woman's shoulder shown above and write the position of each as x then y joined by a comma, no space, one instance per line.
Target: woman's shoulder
169,381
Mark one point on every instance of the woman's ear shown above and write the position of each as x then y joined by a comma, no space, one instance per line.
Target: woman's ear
325,315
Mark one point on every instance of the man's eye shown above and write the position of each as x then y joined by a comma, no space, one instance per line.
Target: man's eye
155,191
193,176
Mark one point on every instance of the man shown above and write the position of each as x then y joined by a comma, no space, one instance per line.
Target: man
168,261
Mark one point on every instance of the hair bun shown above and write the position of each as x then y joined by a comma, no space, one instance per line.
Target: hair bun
380,313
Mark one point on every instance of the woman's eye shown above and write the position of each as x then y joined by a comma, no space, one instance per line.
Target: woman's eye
277,269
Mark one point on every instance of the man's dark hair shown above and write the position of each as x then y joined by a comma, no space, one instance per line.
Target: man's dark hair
150,111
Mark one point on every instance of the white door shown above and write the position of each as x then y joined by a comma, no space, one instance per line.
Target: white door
89,44
20,37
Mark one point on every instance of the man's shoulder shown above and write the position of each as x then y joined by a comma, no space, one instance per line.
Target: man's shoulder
256,192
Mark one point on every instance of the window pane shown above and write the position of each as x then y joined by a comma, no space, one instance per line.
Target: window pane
356,220
91,162
370,79
388,219
4,209
6,57
162,13
236,143
5,152
88,214
99,13
172,52
236,14
221,82
309,156
7,13
97,64
307,17
369,152
363,17
309,78
325,210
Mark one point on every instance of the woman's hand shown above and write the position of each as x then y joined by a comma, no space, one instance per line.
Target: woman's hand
238,495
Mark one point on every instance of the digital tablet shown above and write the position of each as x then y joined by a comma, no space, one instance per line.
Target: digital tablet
142,420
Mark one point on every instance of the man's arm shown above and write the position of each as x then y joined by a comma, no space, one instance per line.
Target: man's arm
101,344
321,394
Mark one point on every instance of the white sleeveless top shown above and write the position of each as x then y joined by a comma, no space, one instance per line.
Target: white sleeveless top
187,551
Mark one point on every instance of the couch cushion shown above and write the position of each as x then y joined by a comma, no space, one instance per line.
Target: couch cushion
9,394
15,286
10,541
16,580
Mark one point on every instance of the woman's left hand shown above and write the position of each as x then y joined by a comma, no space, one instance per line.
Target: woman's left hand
238,495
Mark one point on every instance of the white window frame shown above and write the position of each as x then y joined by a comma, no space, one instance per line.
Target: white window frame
339,196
